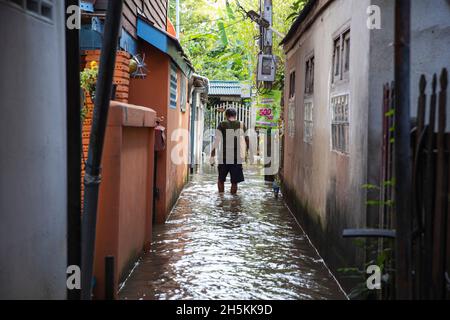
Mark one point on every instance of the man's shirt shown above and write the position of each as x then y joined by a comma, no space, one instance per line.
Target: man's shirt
229,135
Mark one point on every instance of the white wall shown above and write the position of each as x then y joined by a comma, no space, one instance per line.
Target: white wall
33,192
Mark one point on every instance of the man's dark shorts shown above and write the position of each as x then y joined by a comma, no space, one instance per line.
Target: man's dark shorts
235,170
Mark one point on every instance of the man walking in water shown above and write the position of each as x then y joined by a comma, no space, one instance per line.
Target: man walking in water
233,144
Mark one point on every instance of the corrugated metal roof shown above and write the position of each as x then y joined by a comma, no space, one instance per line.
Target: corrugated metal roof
225,88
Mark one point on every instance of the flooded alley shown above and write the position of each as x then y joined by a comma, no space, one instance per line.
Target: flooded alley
230,247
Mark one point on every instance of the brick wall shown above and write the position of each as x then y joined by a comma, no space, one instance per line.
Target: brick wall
121,79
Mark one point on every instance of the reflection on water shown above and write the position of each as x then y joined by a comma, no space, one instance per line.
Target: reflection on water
216,246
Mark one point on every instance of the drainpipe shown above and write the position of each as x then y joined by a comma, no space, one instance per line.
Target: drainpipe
194,113
73,150
92,175
403,167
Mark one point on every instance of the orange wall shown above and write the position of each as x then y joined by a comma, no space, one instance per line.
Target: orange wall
125,215
153,91
136,171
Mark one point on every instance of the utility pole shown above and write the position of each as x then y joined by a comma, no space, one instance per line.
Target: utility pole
267,48
403,167
267,32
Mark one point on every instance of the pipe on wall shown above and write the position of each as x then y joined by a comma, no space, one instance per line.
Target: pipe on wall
73,149
92,174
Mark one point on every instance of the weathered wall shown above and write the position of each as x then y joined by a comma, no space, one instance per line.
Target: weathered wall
33,178
430,43
430,46
324,187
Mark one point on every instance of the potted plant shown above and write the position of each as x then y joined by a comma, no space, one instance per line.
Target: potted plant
88,82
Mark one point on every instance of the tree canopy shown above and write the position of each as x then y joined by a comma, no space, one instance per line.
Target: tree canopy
222,43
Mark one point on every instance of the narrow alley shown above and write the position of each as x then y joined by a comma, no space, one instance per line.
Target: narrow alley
123,119
216,246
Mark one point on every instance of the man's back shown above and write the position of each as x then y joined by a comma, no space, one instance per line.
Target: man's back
233,129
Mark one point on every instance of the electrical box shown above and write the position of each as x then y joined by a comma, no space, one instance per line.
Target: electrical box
266,68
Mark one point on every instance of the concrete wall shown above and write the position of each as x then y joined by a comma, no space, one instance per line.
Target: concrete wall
33,179
124,226
324,187
430,46
430,43
430,52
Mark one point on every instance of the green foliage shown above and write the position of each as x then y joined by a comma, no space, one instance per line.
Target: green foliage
88,79
221,42
296,8
88,82
370,187
382,258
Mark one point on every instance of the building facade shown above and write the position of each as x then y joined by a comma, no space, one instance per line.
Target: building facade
337,62
139,192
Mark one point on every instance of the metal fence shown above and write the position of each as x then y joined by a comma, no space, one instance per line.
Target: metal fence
217,113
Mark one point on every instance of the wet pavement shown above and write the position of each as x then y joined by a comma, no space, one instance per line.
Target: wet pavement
244,247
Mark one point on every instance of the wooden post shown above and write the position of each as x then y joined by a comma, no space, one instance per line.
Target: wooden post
403,166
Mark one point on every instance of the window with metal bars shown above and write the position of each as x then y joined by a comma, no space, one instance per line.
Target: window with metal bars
173,86
340,123
308,124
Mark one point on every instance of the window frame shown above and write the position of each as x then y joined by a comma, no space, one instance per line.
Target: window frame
340,122
173,91
341,56
292,83
308,121
309,74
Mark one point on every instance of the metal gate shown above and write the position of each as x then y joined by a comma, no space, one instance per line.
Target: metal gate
217,113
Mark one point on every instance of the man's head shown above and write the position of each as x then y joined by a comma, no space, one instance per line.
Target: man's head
230,113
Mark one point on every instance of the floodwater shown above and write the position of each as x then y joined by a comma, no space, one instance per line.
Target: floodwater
243,247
